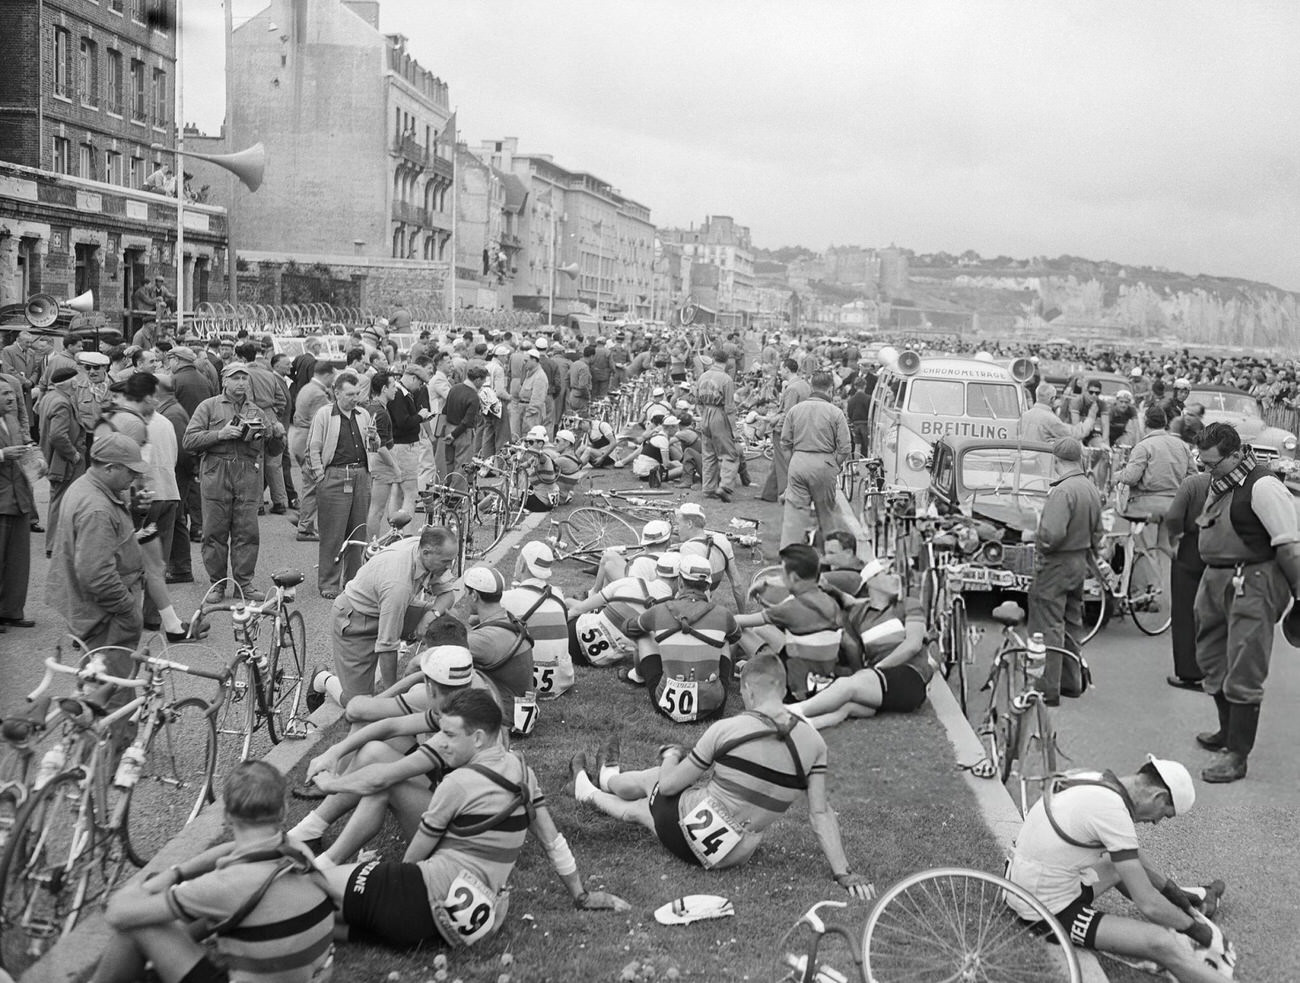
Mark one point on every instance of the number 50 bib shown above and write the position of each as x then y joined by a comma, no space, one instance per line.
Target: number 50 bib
710,832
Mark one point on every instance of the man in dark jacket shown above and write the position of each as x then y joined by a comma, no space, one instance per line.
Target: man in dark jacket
461,412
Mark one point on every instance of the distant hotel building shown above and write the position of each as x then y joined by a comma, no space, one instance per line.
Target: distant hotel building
86,86
722,268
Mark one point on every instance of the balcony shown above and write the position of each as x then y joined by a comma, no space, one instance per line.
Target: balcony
404,211
161,122
63,88
114,106
442,167
411,150
90,99
138,113
511,241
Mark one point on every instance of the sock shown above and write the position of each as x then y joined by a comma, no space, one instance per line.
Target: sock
583,790
635,676
606,773
170,621
332,688
311,827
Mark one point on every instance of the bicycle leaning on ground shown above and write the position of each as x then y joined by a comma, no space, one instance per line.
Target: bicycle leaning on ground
949,923
263,687
1139,588
93,808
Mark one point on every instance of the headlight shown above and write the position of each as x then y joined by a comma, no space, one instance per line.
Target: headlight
917,460
1289,444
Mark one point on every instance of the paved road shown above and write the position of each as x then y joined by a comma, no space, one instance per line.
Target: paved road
1244,833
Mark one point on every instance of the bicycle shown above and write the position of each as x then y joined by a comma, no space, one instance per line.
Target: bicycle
1137,589
261,688
948,923
1016,718
396,524
946,619
72,839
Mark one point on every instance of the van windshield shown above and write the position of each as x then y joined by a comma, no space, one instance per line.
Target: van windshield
982,400
993,400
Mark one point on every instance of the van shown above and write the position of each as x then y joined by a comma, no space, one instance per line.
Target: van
919,399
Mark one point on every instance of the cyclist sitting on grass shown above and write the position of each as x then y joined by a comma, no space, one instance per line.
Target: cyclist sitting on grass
450,887
599,451
1080,841
615,563
886,635
268,929
762,761
598,631
713,546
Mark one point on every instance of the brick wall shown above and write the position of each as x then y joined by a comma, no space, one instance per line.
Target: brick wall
378,285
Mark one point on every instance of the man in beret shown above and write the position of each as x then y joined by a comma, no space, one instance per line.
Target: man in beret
1069,529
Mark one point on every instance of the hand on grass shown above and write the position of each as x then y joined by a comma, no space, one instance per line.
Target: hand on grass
857,885
603,901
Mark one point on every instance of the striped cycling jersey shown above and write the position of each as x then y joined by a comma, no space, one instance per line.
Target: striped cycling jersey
757,780
568,467
626,598
810,621
714,547
542,608
692,636
878,631
503,651
286,938
644,567
464,803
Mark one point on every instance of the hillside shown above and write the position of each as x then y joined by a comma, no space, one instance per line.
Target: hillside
1074,296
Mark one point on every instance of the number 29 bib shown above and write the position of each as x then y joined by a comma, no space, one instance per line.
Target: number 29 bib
710,832
466,914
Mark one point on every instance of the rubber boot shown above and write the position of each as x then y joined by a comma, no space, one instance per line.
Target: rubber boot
1243,722
1216,740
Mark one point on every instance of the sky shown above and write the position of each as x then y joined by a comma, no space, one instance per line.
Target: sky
1153,133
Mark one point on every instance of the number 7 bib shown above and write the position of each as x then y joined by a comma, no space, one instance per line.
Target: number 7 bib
710,832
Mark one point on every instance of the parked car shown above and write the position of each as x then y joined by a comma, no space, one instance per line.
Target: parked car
1225,404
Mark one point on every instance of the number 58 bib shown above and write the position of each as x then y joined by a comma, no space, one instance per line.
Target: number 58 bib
466,914
710,832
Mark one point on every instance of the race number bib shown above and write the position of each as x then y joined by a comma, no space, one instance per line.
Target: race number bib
466,913
598,640
710,832
525,714
680,699
816,682
543,680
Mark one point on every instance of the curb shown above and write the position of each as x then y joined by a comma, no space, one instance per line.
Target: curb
73,958
996,806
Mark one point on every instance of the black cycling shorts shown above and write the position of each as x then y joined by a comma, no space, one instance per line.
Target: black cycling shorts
387,902
663,810
902,689
1079,919
206,971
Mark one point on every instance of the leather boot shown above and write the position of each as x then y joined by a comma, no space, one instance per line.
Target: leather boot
1216,740
1243,722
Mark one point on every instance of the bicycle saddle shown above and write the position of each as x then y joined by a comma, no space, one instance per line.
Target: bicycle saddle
287,578
1009,613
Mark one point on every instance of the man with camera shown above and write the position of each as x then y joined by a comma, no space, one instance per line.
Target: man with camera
230,431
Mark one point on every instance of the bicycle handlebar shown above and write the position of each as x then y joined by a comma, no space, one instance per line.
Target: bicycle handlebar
85,674
145,658
812,918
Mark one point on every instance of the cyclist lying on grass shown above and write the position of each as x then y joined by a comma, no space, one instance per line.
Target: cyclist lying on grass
1080,840
761,761
450,887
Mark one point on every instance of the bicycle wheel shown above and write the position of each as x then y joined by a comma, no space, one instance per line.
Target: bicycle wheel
236,722
175,781
958,654
1148,595
51,871
287,673
589,527
955,924
493,515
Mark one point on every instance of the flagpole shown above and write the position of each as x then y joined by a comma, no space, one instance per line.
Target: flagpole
180,182
455,181
550,303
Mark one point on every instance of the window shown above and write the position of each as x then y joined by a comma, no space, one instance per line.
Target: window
998,401
62,156
161,111
137,11
116,6
62,63
112,168
85,272
88,73
137,173
936,397
86,161
139,96
114,87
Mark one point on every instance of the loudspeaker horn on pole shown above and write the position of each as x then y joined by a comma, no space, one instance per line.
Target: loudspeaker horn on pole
571,271
82,303
41,311
247,165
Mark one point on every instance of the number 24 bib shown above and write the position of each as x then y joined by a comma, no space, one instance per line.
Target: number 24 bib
710,832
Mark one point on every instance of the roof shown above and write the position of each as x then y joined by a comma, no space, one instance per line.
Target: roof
955,366
1207,388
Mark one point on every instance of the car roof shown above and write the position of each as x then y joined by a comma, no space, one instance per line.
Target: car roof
1110,376
960,444
1207,388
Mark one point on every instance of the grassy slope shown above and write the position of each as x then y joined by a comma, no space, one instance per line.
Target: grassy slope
902,807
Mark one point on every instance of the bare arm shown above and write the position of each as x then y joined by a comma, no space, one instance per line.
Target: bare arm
827,829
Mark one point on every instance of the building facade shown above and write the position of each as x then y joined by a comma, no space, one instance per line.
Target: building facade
359,156
582,243
721,242
87,90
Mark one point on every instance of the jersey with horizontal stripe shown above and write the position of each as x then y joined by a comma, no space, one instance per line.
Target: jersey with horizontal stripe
465,799
503,651
757,780
543,609
644,567
627,597
872,633
714,547
567,467
692,636
286,938
810,622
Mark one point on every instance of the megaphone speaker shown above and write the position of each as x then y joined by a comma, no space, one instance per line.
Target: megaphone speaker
82,303
1022,370
909,362
41,311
